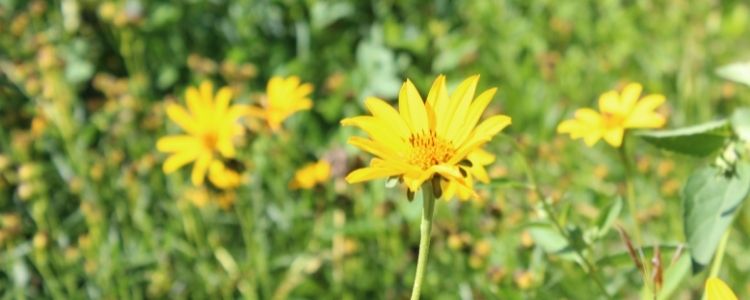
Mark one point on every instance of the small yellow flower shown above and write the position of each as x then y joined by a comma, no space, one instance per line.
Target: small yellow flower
223,177
310,175
716,289
618,112
210,124
284,97
439,137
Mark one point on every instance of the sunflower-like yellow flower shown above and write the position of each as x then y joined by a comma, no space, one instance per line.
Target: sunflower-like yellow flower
210,125
223,177
617,113
310,175
439,137
716,289
284,97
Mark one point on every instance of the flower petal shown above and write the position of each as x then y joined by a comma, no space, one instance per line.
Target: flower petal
176,143
200,168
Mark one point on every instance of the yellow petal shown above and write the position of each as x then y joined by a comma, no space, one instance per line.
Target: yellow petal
437,102
200,168
630,95
459,107
417,111
644,115
223,97
488,129
377,129
614,136
178,115
179,159
195,104
207,93
176,143
380,109
716,289
370,173
371,146
475,112
609,102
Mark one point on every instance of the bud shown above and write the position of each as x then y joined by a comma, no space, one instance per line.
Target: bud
25,191
40,240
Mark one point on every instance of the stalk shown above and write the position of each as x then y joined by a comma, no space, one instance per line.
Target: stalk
425,229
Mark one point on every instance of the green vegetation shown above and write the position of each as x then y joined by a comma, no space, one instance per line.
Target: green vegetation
87,212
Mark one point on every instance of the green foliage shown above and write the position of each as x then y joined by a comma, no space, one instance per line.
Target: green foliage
699,140
711,199
86,212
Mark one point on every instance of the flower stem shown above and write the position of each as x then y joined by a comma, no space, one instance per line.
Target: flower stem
630,193
718,257
587,266
425,229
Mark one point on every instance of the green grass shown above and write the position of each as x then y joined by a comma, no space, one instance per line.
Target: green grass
82,92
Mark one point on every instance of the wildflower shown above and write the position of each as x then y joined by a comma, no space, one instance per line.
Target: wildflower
310,175
223,177
210,124
716,289
284,97
618,112
439,137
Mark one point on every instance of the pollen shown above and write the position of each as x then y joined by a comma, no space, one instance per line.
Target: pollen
429,150
210,139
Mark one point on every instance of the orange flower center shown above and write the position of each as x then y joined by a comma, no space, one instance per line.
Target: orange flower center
210,139
429,150
612,120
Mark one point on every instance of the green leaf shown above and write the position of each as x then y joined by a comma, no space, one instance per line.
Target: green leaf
674,275
547,237
741,123
606,218
737,72
710,201
699,140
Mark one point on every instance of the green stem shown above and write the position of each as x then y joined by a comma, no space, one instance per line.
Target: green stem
630,193
428,201
719,255
718,258
632,206
588,267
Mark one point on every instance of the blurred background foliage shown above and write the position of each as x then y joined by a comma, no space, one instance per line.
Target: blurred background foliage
87,212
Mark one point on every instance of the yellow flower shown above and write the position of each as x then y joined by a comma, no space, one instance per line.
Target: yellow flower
477,159
284,97
310,175
210,125
223,177
439,137
718,290
618,112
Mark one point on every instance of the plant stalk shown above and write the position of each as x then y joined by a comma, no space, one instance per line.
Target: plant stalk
425,229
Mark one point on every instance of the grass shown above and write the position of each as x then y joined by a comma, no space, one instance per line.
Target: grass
87,213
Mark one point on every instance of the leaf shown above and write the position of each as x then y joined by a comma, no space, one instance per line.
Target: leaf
741,123
737,72
674,275
546,236
710,201
699,140
606,218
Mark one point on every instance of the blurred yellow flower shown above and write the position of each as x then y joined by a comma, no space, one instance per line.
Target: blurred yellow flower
284,97
716,289
223,177
310,175
210,124
439,137
617,112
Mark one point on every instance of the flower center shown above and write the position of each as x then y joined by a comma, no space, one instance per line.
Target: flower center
612,120
429,150
210,139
